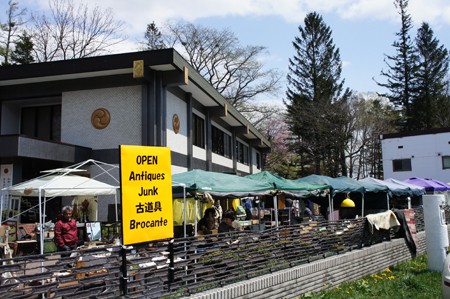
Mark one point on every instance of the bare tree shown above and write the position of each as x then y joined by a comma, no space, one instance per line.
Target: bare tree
70,31
233,70
260,114
371,117
10,28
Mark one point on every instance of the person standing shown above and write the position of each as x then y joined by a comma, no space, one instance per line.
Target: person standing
66,232
218,208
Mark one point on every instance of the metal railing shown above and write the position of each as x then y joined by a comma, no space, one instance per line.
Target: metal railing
183,266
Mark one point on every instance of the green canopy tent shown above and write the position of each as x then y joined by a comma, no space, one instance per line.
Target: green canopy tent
415,190
336,186
368,188
395,190
289,187
221,184
218,184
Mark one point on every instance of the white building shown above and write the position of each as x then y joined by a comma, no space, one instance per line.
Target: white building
424,154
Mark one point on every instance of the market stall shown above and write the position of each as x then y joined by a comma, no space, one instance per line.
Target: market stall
289,188
60,183
336,187
415,190
199,183
369,196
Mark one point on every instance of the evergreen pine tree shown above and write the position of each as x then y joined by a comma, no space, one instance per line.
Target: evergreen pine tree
401,68
153,37
431,80
316,101
22,53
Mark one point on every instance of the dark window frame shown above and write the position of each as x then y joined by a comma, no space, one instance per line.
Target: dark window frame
401,165
221,142
198,131
444,162
258,160
43,122
242,153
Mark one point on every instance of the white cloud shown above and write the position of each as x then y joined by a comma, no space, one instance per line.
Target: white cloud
435,12
138,13
368,9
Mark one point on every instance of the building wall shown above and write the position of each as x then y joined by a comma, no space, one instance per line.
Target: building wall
425,152
10,123
176,142
178,169
320,275
124,106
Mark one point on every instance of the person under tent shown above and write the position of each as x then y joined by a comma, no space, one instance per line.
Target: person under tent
66,232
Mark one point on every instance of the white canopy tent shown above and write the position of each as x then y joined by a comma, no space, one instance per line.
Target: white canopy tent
61,182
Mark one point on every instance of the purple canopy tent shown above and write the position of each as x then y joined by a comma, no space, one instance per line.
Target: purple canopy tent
430,185
445,185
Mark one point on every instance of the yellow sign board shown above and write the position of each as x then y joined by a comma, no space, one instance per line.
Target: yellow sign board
146,192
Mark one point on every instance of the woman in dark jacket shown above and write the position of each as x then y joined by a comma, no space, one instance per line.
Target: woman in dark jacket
207,223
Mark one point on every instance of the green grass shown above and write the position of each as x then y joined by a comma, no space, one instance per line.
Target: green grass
410,279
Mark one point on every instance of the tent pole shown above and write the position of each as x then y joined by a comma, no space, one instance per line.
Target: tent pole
196,215
387,200
115,201
184,211
41,233
1,209
43,214
19,208
330,207
117,214
362,208
275,205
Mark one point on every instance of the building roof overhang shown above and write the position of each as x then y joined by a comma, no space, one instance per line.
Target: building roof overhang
176,71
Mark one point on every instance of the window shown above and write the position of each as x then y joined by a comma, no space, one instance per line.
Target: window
221,142
445,162
42,122
241,153
198,131
258,160
401,165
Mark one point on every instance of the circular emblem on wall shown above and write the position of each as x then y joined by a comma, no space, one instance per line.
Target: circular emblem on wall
100,118
176,123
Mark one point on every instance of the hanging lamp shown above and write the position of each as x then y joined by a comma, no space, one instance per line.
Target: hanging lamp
348,202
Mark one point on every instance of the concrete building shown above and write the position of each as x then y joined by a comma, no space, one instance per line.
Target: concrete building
424,154
55,114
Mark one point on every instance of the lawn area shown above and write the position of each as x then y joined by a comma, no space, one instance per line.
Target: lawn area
410,279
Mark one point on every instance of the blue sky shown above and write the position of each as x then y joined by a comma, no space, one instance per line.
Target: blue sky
363,30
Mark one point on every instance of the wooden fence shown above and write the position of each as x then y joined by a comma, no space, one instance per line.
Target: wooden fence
183,266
